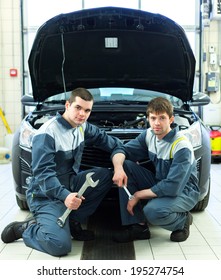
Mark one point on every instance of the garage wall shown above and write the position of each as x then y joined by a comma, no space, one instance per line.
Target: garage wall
212,47
10,58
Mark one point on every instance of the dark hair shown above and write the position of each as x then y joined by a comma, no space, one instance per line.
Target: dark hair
160,105
82,93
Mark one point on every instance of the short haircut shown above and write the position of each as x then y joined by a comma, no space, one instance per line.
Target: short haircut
160,105
82,93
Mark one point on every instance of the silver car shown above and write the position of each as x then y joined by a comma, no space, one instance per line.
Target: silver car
125,57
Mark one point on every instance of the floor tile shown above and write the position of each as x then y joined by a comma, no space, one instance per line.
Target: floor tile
204,242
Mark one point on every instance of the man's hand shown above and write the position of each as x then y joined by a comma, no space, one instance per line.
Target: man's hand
120,177
73,202
131,204
143,194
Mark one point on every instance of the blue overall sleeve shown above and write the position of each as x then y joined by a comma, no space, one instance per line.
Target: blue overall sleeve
44,168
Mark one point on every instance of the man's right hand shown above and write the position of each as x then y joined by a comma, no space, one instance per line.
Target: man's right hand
120,177
72,201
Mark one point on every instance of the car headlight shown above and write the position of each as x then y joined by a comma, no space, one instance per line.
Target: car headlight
194,134
26,135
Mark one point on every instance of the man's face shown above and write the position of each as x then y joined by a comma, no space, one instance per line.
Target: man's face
78,111
160,123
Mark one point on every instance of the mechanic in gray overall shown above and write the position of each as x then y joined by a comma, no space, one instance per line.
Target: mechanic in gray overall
56,156
164,196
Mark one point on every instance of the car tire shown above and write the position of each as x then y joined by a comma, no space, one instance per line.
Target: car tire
22,204
202,204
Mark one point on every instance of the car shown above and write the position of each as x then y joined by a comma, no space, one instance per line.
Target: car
125,57
215,141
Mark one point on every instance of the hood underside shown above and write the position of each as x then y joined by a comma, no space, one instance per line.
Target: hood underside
111,47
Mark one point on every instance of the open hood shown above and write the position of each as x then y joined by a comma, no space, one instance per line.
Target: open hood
111,47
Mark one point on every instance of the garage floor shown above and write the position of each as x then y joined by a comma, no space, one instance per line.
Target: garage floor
204,242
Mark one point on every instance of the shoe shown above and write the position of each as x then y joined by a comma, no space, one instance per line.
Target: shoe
80,234
182,234
14,230
133,232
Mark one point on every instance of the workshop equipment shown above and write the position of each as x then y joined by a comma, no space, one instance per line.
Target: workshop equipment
89,182
5,156
2,116
5,152
215,140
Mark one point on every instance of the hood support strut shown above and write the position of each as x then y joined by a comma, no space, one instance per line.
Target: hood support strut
63,62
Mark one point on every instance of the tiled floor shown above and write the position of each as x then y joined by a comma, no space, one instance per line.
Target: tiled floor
204,242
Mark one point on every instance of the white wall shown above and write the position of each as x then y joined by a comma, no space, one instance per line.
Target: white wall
10,57
212,37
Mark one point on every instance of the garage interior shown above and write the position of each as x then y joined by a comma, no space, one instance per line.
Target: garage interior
19,22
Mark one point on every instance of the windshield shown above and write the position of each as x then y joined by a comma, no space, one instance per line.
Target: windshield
128,95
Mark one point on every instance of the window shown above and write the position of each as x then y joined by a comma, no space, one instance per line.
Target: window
117,3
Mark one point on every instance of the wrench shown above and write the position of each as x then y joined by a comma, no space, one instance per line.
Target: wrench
88,183
130,196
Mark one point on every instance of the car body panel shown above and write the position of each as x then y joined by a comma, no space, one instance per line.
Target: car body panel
108,47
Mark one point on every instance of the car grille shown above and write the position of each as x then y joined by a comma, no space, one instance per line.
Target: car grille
25,167
198,164
96,157
25,164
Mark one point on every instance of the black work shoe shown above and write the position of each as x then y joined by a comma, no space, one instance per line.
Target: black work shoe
132,232
182,234
14,230
80,234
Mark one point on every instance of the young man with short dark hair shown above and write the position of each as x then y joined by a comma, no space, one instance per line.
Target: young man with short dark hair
56,157
163,197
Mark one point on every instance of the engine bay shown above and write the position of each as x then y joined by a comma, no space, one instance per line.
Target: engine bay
115,120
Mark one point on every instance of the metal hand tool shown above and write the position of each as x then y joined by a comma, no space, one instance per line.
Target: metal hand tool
88,183
130,196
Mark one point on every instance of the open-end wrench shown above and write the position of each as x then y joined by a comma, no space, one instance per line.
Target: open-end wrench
89,182
130,196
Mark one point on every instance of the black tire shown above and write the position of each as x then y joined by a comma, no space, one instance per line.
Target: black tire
201,205
22,204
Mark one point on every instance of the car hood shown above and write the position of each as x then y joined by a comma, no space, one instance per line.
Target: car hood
111,47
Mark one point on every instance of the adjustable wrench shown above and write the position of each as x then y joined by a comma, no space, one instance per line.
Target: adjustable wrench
88,183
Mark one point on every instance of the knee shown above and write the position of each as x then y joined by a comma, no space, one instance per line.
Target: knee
104,175
128,165
154,215
106,172
58,244
59,248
